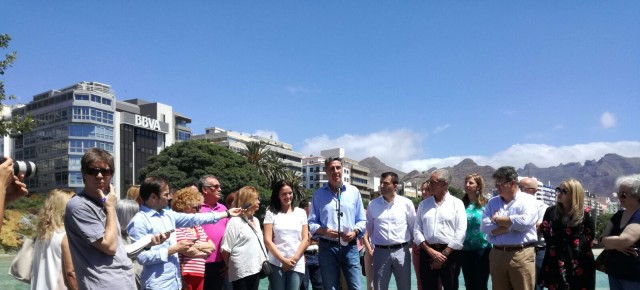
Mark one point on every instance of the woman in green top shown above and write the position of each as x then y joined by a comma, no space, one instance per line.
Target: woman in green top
474,257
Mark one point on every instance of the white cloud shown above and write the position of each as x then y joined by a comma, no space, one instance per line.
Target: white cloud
440,129
266,134
540,154
392,147
607,120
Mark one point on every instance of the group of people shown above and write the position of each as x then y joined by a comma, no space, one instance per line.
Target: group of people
193,241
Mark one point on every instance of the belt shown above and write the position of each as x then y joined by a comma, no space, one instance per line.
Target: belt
438,247
336,243
512,248
396,246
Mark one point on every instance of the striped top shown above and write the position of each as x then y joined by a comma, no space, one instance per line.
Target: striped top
191,266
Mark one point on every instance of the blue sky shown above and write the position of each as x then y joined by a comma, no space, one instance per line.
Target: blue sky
415,83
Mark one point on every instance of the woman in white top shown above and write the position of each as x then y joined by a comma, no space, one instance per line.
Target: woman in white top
286,237
242,245
51,257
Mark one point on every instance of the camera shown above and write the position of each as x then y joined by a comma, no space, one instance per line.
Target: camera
28,168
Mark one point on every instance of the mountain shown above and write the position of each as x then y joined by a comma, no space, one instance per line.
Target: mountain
597,177
378,167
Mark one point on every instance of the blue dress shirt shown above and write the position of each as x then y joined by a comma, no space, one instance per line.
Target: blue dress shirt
324,213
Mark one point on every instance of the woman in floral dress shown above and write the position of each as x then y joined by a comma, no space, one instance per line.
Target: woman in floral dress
568,230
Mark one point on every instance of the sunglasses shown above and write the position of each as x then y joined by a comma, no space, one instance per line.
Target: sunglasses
213,186
95,171
623,195
561,191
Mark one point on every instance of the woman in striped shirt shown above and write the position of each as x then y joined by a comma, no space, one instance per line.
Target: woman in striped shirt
188,200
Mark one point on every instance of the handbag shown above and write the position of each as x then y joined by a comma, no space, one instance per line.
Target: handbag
601,261
265,269
23,262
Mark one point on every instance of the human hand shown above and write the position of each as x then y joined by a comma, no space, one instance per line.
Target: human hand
349,236
630,251
333,234
16,190
236,211
110,199
159,239
6,172
437,256
436,265
370,251
288,264
182,246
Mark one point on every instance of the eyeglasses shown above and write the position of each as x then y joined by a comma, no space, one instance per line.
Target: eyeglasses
561,191
95,171
528,188
498,184
622,195
436,183
215,186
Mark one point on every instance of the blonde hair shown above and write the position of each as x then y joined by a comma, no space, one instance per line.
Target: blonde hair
133,192
480,199
51,215
247,194
576,208
186,198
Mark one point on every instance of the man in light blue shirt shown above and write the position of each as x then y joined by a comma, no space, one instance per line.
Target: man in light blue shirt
337,218
509,220
160,264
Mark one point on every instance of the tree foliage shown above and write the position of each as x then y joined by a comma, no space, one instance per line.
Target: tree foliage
187,161
601,223
266,162
15,124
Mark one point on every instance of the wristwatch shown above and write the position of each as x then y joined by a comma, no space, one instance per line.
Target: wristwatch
494,220
357,231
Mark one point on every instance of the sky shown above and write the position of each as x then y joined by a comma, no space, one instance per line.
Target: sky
418,84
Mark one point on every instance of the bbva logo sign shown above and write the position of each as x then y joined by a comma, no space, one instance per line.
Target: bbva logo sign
147,122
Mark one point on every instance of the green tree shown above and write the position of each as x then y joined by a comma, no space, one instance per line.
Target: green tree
266,162
187,161
16,124
457,192
601,223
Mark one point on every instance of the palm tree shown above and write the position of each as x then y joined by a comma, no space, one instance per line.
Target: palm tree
266,162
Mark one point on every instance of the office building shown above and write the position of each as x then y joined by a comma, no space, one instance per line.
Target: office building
314,175
236,142
84,115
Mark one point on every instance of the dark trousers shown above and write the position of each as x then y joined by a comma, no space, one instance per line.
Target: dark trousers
446,274
213,276
311,274
247,283
475,268
539,258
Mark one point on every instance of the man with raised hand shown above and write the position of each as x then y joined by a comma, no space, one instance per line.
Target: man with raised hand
160,263
390,222
99,258
509,220
337,218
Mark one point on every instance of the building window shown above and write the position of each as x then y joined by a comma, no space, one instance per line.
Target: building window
106,101
82,97
96,99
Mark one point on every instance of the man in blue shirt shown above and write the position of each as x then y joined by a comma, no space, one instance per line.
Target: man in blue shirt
160,264
337,218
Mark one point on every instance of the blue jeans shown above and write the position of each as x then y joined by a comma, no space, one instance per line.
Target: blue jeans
311,274
619,284
289,280
347,258
539,259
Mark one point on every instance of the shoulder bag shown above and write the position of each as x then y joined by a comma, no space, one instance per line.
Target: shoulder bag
266,269
23,262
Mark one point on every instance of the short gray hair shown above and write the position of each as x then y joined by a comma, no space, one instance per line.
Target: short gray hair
203,181
125,210
443,174
632,182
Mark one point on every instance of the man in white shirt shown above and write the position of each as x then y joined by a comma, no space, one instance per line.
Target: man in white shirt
509,220
390,222
530,186
440,229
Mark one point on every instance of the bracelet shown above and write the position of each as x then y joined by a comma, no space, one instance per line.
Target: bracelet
228,213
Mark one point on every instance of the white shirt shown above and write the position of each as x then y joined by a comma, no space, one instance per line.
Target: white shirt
241,243
390,223
287,234
523,212
441,224
47,263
